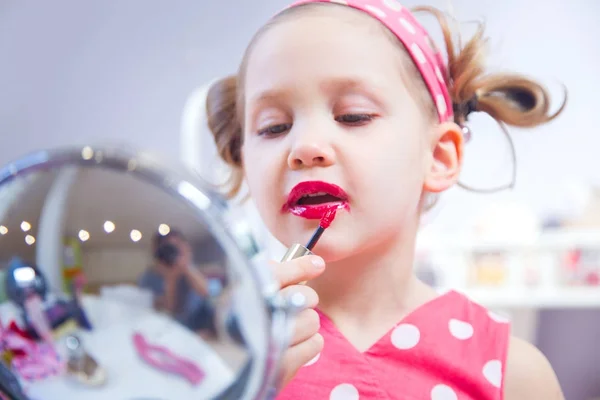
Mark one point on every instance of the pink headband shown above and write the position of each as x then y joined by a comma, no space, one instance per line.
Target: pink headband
415,38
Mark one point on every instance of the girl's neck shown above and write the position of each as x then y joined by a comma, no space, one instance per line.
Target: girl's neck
374,285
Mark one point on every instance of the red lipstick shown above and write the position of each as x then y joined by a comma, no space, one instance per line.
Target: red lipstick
313,199
326,220
297,250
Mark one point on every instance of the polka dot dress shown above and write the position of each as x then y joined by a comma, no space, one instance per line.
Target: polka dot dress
448,349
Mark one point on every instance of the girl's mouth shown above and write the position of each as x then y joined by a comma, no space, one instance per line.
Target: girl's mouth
312,199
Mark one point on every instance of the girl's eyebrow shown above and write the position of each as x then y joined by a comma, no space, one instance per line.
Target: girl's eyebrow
269,96
270,93
344,84
351,85
330,85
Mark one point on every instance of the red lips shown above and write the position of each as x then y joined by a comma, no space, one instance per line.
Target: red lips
313,199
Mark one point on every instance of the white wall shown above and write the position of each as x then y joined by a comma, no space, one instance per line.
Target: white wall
124,264
114,266
97,72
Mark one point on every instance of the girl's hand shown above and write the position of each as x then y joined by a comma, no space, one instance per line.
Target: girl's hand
306,342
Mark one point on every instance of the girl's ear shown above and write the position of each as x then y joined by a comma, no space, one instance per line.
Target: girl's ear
446,158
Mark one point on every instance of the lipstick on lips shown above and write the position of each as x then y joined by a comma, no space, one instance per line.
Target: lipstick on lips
313,200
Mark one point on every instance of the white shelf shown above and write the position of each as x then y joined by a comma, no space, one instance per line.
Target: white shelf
584,297
451,257
559,240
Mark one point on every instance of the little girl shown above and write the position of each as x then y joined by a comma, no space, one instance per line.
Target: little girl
349,104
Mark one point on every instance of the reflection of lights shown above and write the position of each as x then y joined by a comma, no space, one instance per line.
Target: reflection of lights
25,226
84,235
87,153
109,226
135,235
29,240
194,195
164,229
24,275
3,230
132,164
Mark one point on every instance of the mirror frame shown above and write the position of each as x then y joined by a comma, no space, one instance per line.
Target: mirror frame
259,378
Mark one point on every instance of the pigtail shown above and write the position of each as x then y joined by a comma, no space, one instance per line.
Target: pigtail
224,123
510,99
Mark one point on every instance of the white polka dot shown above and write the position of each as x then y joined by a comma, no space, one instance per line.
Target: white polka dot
376,11
418,53
345,391
408,26
439,75
392,5
492,371
405,336
443,392
498,318
314,360
460,329
340,2
441,104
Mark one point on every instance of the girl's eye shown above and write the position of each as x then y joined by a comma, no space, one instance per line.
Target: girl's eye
275,130
354,119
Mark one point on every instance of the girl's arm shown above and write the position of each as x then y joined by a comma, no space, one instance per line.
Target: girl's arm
529,375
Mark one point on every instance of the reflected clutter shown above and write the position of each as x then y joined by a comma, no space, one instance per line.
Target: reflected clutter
116,288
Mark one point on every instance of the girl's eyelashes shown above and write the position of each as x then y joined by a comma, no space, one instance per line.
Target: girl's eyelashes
355,119
276,130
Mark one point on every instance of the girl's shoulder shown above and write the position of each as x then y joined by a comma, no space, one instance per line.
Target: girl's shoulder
529,374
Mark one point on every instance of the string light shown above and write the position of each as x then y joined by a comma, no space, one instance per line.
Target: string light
25,226
84,235
135,235
30,240
164,229
87,153
109,227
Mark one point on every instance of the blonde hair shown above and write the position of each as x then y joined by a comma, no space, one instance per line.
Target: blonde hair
511,99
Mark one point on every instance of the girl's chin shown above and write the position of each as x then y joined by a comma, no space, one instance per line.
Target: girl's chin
332,250
331,244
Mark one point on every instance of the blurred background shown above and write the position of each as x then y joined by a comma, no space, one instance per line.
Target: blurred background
135,73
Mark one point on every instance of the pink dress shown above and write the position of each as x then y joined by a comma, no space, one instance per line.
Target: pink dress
448,349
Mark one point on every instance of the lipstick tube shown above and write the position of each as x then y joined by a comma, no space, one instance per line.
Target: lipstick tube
296,251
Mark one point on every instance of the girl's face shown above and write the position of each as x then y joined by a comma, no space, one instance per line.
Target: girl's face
327,100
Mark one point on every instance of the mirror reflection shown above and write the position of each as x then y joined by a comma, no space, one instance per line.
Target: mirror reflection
113,288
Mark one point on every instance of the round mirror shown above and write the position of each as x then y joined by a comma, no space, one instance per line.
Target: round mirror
121,279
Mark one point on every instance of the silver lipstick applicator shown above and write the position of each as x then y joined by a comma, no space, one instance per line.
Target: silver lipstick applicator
297,250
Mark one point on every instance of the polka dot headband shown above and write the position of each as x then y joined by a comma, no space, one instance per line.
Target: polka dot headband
416,40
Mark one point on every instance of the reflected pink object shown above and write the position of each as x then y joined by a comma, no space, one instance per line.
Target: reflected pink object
35,310
37,361
163,359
